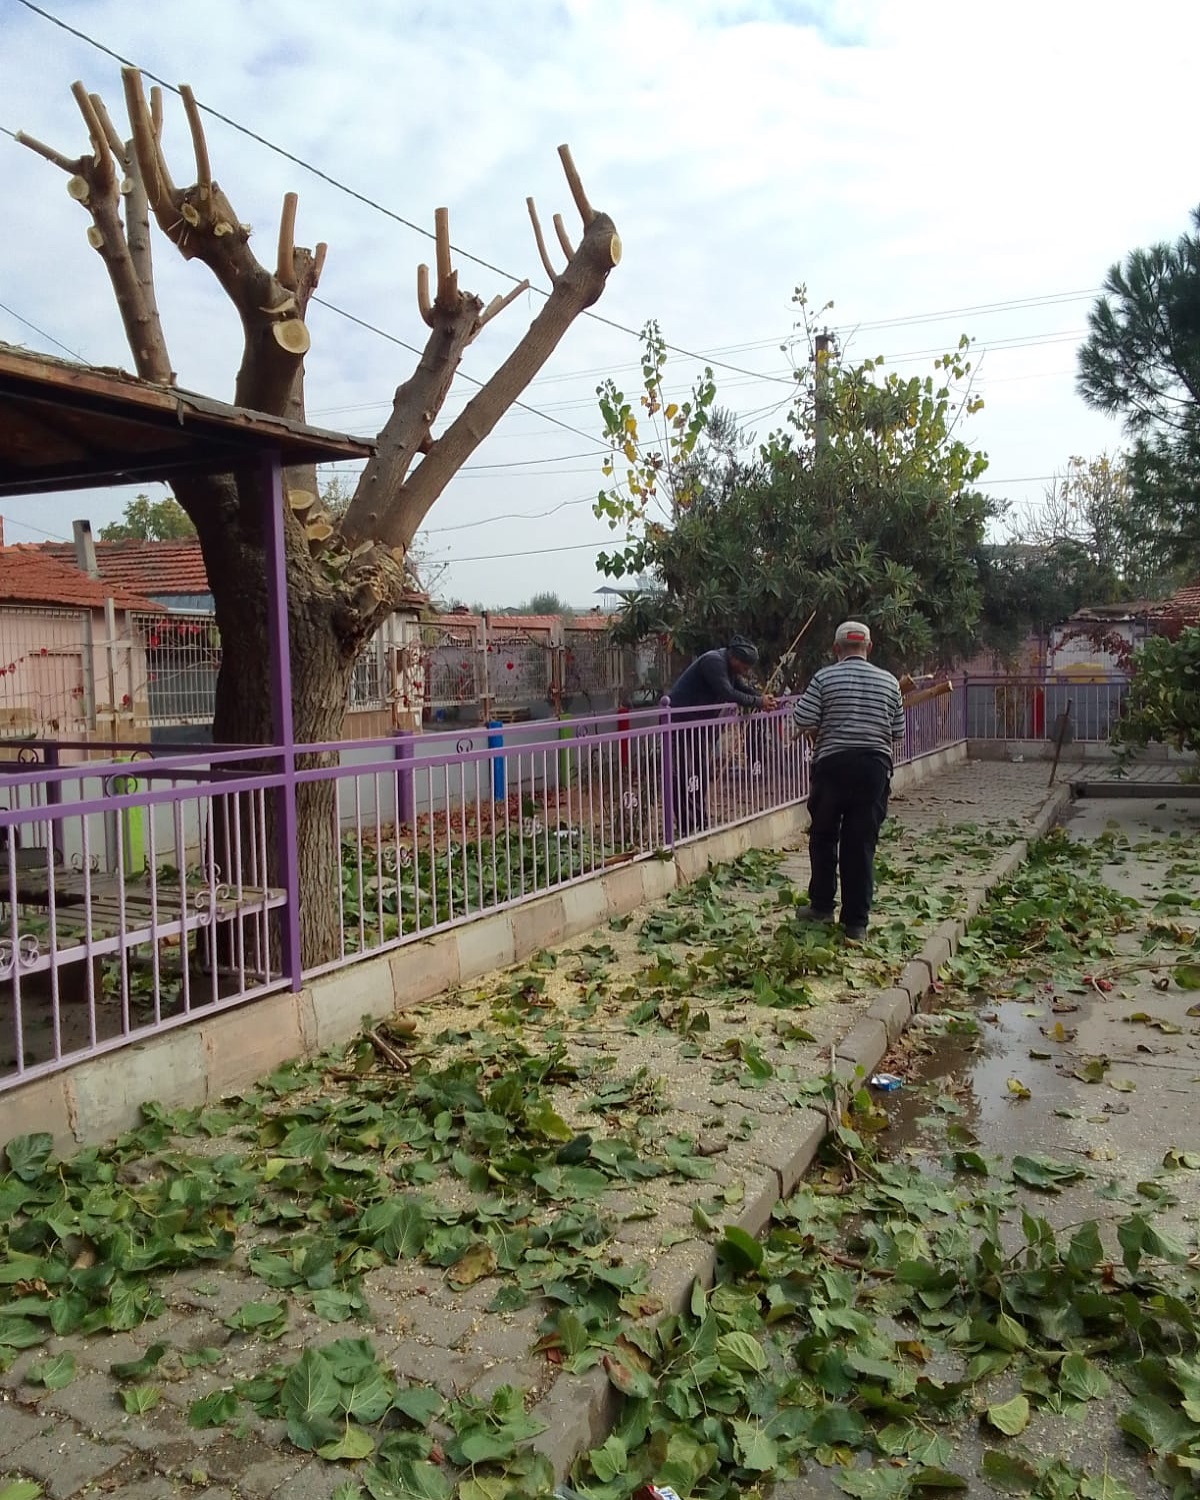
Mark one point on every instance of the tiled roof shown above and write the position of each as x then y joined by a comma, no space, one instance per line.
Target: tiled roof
148,567
1185,603
508,624
29,576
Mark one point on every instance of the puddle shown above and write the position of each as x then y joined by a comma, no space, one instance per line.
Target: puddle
975,1068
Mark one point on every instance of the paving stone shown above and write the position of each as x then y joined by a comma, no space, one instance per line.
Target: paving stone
18,1426
90,1400
450,1372
500,1375
65,1461
317,1480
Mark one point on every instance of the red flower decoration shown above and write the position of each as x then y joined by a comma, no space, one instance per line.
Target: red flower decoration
508,665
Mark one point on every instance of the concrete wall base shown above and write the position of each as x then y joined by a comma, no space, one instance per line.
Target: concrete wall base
215,1056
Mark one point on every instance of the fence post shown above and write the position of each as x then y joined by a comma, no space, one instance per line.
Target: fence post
667,764
50,759
281,715
499,774
406,799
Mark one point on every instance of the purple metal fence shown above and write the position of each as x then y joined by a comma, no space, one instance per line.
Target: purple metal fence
137,894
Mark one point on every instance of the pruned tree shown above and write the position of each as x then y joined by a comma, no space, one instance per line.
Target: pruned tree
344,574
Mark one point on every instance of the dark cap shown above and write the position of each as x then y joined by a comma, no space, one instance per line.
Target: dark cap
744,650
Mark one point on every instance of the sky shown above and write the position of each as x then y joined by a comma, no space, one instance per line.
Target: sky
931,168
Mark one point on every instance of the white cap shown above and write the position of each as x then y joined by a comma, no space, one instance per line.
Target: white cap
852,633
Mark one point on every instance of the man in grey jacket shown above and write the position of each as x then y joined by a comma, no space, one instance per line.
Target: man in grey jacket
855,716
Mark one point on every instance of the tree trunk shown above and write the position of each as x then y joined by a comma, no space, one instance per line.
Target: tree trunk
322,662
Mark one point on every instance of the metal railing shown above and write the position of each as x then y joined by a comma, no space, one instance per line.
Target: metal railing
1029,708
133,895
138,893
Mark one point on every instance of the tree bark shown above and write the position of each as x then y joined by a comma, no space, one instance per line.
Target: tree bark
322,656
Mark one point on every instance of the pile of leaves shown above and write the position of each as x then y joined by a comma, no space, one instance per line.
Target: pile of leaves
880,1312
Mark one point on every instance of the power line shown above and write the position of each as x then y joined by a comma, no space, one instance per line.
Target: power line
412,349
525,552
41,332
530,515
1046,299
342,187
55,536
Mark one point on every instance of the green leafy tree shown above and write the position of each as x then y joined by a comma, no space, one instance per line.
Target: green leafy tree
147,520
862,504
1163,706
1029,587
1141,362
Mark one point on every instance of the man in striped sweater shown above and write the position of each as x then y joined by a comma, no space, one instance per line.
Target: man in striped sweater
854,714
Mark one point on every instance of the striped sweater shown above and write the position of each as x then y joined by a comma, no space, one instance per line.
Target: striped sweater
851,705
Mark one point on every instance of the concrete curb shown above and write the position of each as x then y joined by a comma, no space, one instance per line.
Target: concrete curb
579,1410
1148,791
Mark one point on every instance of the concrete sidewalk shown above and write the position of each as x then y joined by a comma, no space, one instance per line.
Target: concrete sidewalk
728,1096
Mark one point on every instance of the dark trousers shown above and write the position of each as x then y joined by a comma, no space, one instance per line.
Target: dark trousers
847,804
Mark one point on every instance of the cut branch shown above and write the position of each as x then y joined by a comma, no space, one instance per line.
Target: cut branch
103,160
202,224
575,290
94,182
116,144
423,302
149,153
285,260
498,304
446,298
586,212
541,243
56,158
199,143
564,240
407,431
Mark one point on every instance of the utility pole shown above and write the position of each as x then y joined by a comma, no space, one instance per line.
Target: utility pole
822,347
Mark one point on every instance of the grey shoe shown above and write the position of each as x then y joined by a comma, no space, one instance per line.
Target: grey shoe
812,914
854,932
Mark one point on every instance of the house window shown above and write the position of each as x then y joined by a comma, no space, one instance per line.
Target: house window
366,684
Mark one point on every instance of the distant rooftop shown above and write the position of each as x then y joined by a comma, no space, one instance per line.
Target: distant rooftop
29,576
154,568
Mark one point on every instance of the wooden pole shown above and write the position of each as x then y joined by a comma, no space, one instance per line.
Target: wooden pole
1063,720
791,650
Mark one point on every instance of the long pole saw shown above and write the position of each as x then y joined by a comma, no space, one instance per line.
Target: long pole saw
786,659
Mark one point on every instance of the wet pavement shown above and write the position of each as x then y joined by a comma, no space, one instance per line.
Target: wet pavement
1114,1090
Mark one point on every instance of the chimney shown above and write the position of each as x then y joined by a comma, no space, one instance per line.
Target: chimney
85,548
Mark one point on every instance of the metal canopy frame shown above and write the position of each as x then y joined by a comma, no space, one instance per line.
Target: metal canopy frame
65,426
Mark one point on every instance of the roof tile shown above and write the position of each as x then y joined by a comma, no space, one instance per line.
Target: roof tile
146,566
29,576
